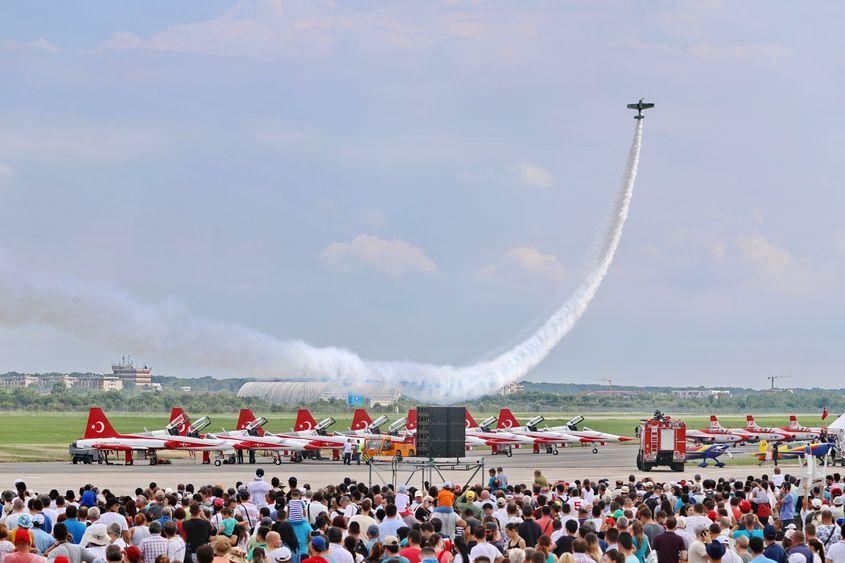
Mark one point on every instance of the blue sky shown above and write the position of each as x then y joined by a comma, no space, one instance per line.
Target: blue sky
422,181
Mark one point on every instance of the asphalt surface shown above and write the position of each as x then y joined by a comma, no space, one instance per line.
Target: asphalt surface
614,462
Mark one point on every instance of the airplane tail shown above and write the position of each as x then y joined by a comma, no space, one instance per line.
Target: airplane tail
506,419
411,422
470,422
714,422
98,425
750,422
177,412
360,420
793,422
304,421
244,418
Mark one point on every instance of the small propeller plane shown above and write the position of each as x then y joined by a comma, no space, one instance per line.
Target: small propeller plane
640,107
713,451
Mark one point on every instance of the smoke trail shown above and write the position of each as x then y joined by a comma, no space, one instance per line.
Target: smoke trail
168,331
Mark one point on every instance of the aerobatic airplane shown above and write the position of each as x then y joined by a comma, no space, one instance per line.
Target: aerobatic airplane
713,451
763,433
593,436
801,432
482,435
715,434
305,428
101,435
249,437
818,450
549,439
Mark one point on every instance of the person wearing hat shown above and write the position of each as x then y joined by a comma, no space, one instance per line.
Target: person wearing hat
24,522
96,539
23,549
391,549
715,551
132,554
222,548
318,550
42,539
772,549
445,497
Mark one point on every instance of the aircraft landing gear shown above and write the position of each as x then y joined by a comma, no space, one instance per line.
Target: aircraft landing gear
153,459
277,459
509,451
218,462
555,451
595,450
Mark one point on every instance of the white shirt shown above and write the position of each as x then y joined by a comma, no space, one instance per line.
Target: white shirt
402,502
109,518
249,513
340,554
836,553
314,510
258,489
485,549
176,548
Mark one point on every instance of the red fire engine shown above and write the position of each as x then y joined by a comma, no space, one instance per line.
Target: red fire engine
663,441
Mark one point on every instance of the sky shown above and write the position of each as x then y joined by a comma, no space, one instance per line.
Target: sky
424,180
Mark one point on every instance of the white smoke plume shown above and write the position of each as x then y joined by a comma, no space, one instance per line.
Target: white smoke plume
168,331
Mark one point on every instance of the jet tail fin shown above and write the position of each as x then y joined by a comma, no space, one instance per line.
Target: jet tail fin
244,418
411,423
750,422
98,425
714,422
304,421
361,420
471,423
506,419
178,413
793,421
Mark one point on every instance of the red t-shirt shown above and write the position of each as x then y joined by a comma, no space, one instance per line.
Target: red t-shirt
412,553
316,559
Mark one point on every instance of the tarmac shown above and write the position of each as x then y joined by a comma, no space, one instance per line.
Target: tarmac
613,462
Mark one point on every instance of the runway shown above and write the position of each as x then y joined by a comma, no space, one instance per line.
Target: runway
613,462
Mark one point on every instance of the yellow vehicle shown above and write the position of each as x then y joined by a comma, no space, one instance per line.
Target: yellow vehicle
387,448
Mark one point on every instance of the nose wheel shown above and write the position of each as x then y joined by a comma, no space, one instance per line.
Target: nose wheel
595,450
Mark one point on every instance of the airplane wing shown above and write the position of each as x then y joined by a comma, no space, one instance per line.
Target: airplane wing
646,106
634,106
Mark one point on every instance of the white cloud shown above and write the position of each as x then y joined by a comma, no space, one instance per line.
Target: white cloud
269,29
525,262
774,269
39,44
533,175
392,257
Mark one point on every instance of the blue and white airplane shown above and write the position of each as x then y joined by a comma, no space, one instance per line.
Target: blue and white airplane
712,451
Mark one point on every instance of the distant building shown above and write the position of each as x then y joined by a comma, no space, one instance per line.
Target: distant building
128,373
700,393
19,380
511,388
48,382
100,382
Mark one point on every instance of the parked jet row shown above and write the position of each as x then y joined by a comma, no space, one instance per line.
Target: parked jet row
501,434
715,433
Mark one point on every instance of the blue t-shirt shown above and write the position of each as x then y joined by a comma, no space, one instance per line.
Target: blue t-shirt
787,509
76,529
775,552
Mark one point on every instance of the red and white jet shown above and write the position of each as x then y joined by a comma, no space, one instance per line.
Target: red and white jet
481,435
761,433
715,434
801,432
541,436
101,435
594,436
250,436
305,428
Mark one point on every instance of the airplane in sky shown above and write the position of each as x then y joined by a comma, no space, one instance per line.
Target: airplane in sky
101,435
251,437
763,433
482,435
712,451
715,434
640,107
801,432
549,439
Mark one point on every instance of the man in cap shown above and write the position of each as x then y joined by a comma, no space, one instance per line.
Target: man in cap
318,551
23,548
391,549
276,552
772,549
42,539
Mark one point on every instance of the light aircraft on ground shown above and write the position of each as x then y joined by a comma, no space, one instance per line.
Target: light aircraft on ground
713,451
801,432
715,434
758,432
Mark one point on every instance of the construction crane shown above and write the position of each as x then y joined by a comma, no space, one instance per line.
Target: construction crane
609,382
772,379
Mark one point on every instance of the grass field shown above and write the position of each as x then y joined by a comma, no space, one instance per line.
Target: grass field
45,436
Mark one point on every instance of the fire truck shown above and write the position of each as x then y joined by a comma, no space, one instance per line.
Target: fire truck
663,441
